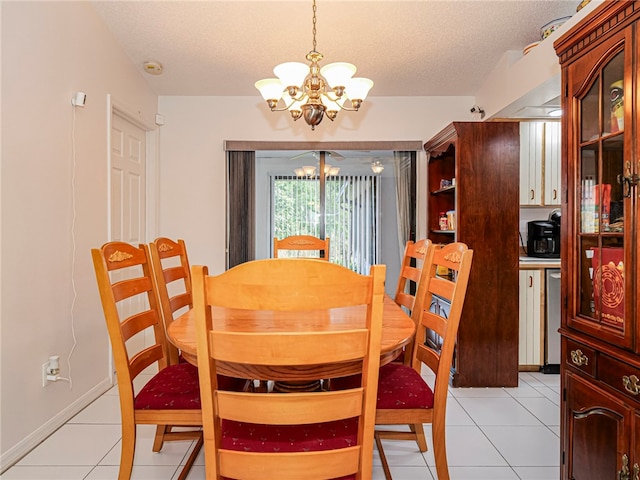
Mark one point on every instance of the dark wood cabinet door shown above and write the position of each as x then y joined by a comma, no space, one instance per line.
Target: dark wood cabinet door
598,432
599,235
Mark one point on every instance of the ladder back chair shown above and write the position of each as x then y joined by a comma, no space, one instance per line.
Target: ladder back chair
410,270
302,243
172,396
289,436
404,397
173,281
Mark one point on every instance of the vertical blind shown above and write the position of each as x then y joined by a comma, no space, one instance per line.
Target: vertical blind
352,215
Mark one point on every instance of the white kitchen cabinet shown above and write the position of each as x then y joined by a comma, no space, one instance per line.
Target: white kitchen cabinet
531,344
540,163
551,164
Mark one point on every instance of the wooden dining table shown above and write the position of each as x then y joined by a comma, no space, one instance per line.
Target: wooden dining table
397,331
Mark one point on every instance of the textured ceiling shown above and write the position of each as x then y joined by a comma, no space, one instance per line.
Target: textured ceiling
408,48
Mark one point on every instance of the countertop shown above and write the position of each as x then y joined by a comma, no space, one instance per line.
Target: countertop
529,263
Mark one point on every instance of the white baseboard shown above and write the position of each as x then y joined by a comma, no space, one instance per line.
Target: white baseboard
15,453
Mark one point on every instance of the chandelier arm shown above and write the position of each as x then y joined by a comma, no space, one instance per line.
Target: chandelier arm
293,100
281,109
326,94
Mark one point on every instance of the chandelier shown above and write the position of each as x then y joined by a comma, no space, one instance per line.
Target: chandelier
310,91
377,167
310,171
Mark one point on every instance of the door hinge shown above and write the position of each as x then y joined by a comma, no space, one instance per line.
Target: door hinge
564,399
563,457
566,301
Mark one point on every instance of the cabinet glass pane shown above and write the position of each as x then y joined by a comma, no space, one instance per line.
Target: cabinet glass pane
612,201
589,108
601,239
585,261
612,97
589,213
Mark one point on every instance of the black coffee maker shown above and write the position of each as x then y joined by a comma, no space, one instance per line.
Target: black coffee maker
543,237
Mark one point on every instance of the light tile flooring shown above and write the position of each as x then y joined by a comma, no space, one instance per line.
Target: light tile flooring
492,434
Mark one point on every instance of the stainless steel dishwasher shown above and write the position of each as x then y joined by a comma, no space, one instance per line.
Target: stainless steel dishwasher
552,314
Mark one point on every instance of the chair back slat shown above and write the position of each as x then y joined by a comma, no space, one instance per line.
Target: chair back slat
182,300
130,288
138,322
288,285
294,348
144,358
290,466
442,287
300,408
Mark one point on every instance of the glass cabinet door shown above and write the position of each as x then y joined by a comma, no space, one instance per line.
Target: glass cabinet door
604,200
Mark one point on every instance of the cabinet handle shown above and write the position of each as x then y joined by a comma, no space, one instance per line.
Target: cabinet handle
628,180
631,384
555,194
624,473
533,194
578,358
530,281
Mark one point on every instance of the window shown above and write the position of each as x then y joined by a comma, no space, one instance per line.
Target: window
351,215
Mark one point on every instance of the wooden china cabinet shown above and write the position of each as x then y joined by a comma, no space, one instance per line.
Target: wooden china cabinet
600,369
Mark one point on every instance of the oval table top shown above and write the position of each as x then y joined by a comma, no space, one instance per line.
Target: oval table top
397,331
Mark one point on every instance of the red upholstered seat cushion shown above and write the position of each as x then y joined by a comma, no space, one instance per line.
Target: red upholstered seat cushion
230,384
399,386
249,437
176,387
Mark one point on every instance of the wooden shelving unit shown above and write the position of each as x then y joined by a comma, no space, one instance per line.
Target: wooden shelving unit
484,159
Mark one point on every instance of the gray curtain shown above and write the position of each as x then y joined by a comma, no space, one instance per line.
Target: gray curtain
404,169
240,207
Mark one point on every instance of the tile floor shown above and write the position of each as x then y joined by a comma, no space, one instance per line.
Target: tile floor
492,434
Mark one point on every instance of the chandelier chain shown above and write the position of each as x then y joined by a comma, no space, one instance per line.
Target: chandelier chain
314,25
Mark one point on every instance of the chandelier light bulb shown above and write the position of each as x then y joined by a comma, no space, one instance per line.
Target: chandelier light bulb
377,167
270,89
291,74
338,74
309,171
358,88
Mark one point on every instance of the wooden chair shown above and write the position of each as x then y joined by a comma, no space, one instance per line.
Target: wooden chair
302,243
131,306
410,271
403,395
173,281
171,270
314,435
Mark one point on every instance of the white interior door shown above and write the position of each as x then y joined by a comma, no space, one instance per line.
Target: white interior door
128,196
128,180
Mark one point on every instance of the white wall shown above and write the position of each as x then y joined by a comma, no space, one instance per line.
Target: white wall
192,163
519,81
49,51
